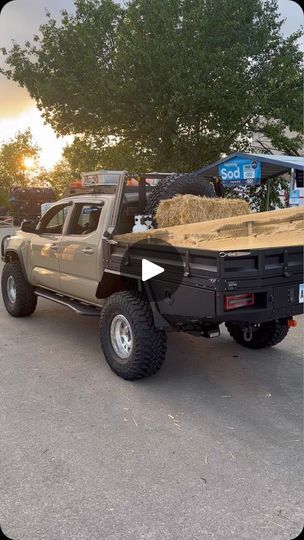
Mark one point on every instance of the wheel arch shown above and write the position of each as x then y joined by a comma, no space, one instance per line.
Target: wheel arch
113,283
12,255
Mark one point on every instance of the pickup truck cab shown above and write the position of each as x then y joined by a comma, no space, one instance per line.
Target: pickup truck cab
72,257
63,254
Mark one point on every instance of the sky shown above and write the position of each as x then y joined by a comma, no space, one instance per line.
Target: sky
19,21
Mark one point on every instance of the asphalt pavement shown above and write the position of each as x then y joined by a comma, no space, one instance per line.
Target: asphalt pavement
209,448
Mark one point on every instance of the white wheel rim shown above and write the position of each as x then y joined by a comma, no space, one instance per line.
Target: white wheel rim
11,289
121,336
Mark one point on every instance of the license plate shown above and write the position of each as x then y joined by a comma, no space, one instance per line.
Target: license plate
301,293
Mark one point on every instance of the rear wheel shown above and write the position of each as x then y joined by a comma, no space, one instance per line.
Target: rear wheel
132,346
18,295
265,335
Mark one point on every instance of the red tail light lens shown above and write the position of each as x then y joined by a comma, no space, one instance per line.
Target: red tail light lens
239,300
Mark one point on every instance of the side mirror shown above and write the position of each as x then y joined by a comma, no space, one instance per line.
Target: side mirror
28,226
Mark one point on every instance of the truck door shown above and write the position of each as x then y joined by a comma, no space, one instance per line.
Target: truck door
80,251
45,248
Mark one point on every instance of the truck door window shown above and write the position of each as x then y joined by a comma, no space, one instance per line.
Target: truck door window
85,219
53,221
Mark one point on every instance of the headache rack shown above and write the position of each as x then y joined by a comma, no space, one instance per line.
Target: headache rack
92,190
112,188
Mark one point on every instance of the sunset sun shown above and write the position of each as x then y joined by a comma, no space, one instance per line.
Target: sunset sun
28,162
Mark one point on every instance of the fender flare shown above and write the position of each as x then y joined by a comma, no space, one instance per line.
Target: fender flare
12,255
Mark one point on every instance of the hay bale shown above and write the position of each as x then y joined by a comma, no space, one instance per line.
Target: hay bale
183,209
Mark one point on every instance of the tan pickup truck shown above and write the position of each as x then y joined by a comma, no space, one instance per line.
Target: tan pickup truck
76,256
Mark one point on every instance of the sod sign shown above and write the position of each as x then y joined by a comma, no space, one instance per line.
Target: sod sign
240,172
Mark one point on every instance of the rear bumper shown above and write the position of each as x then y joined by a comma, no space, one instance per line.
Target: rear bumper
263,315
275,302
272,302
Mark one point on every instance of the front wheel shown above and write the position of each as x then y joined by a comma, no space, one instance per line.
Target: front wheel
265,335
18,295
132,346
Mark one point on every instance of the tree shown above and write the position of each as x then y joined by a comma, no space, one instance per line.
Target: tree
257,196
87,154
177,81
59,177
17,157
82,155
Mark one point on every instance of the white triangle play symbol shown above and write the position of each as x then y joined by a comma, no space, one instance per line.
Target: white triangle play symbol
150,270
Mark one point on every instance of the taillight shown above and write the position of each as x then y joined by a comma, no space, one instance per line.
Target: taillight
239,300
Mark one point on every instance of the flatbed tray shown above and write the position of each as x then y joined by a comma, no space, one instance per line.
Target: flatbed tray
275,229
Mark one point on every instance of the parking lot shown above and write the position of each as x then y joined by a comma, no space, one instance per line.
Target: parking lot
210,447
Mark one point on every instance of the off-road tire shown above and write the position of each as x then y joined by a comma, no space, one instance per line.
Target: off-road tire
149,343
26,300
268,334
183,184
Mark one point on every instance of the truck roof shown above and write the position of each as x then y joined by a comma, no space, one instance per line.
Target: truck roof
98,197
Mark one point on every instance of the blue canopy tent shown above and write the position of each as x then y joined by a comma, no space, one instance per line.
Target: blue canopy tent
250,169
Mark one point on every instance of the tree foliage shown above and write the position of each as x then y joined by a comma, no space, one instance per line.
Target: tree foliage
59,177
175,82
258,197
82,155
13,170
86,154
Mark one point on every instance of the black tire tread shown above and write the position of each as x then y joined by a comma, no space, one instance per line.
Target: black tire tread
26,300
150,342
178,184
268,335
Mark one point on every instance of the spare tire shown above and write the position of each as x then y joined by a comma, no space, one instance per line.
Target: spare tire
179,184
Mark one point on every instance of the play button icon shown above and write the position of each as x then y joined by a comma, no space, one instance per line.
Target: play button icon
150,270
158,265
